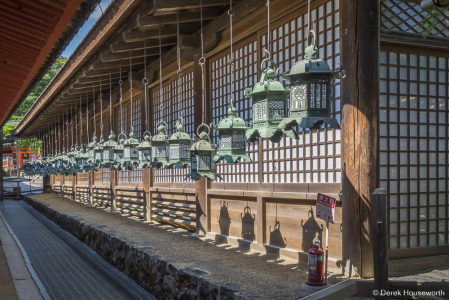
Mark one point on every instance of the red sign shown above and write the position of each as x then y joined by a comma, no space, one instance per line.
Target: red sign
325,208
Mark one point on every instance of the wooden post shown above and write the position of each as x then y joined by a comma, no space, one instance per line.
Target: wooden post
17,158
45,182
359,100
379,235
90,180
202,216
74,187
261,220
113,181
146,188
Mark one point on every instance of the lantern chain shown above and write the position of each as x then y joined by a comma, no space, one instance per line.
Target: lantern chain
161,93
231,58
268,47
131,88
71,121
121,98
81,122
180,112
95,118
110,100
202,62
76,129
87,117
145,82
67,128
63,135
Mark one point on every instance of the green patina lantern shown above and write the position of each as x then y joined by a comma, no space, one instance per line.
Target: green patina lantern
310,91
98,150
90,149
108,151
202,157
79,158
85,159
145,151
72,161
131,152
269,107
160,147
119,153
232,140
64,161
179,145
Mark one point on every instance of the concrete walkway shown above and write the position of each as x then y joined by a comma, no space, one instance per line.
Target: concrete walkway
63,267
252,274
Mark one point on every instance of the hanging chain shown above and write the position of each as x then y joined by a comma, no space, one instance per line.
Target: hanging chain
95,117
202,63
71,121
110,100
63,136
101,105
121,99
231,58
87,117
76,128
67,131
131,88
268,47
59,136
180,112
161,94
309,17
81,123
145,82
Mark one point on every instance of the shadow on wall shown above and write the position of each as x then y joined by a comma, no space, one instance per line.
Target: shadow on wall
248,224
309,228
224,220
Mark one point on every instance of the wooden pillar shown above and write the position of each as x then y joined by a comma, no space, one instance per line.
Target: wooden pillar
359,99
113,183
202,215
17,158
45,182
74,187
261,220
379,233
147,180
90,182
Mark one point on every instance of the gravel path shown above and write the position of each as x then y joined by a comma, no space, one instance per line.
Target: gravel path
251,273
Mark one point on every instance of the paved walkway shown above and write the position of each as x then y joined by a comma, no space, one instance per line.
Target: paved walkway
251,273
65,267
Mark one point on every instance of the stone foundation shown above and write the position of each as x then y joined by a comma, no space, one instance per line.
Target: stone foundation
158,277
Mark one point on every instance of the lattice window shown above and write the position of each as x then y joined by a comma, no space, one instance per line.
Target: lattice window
245,67
135,175
123,176
98,177
68,179
105,174
171,114
125,119
407,17
137,118
82,178
413,143
316,156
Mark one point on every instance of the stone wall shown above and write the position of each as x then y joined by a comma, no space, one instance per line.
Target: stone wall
158,277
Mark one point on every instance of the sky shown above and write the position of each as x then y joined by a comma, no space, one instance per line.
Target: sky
85,29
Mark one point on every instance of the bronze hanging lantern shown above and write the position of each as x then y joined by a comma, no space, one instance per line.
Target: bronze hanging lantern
160,147
202,155
119,153
131,152
232,140
108,147
310,91
269,107
179,147
145,151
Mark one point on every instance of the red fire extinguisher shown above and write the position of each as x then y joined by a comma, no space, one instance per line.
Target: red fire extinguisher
316,263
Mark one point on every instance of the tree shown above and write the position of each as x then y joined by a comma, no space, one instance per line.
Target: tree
38,89
29,101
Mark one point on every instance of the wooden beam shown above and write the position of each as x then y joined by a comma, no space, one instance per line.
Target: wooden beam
84,80
133,36
148,22
360,100
151,43
108,57
94,73
124,63
190,42
174,5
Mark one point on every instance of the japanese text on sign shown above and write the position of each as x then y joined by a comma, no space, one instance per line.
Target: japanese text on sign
325,208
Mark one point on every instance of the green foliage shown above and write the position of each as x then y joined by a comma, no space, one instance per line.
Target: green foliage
6,130
431,20
38,89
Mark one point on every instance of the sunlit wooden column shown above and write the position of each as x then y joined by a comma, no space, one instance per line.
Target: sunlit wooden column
359,98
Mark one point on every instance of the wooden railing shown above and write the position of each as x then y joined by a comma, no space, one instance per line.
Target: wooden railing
130,201
101,196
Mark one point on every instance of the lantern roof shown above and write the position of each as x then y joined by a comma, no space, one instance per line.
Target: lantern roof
110,143
92,144
267,84
232,121
146,143
131,141
203,144
180,135
161,136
